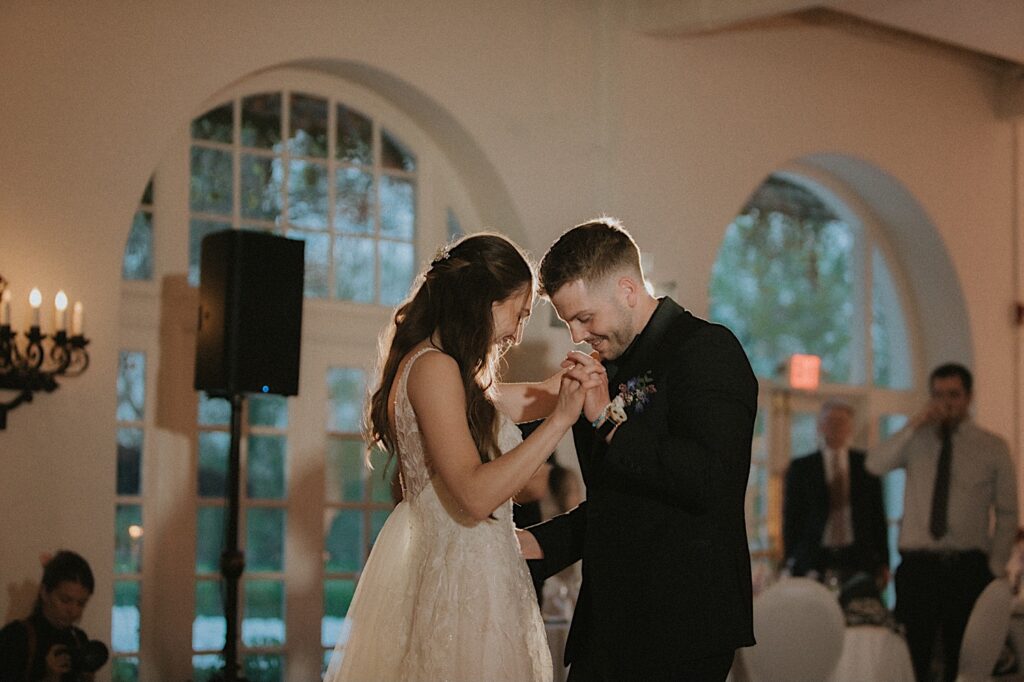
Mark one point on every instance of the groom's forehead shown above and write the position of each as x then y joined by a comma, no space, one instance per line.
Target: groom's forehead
572,299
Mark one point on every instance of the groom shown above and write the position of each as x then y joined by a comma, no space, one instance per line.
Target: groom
666,588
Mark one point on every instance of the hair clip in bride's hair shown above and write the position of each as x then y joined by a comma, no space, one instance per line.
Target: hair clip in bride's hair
441,255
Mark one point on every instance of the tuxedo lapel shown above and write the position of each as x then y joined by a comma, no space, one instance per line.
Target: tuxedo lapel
858,497
642,353
857,472
817,488
816,482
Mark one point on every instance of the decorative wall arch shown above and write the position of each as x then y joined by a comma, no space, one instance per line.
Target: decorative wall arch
477,173
896,231
931,294
930,278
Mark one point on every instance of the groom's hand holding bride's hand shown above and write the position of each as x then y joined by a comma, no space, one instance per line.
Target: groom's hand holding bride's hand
577,381
597,396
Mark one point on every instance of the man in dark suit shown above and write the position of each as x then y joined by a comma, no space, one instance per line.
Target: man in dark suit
666,590
833,514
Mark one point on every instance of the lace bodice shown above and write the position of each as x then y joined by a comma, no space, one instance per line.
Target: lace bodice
416,468
412,456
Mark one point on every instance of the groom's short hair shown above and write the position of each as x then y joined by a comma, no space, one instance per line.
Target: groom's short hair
588,252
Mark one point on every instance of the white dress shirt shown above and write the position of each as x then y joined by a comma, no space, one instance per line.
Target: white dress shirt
982,481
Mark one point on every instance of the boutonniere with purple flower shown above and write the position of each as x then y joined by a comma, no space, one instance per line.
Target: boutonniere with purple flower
636,392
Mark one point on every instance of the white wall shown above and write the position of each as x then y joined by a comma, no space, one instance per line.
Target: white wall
564,111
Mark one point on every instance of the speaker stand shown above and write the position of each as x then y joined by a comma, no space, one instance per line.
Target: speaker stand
232,559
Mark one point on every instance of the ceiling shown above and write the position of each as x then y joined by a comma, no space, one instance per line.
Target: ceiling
992,28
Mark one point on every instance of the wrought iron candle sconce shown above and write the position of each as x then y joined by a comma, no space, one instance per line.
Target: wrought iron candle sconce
31,365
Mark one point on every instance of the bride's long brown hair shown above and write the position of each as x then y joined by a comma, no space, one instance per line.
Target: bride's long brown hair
454,301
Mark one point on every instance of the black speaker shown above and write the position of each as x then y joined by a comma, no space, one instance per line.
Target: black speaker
250,313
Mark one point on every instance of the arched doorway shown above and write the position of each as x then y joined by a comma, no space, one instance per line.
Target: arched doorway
808,266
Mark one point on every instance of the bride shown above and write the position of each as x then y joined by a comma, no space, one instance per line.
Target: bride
445,594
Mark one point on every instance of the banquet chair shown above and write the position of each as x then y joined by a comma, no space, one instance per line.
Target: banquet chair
873,652
799,629
986,632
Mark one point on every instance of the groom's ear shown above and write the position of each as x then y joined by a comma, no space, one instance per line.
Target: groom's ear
628,289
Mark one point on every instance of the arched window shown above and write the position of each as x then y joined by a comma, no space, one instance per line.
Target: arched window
360,182
790,279
315,169
801,271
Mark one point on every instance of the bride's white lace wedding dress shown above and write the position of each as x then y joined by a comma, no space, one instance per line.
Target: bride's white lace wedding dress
442,597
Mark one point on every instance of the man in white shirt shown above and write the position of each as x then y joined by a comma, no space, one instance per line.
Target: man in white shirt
958,476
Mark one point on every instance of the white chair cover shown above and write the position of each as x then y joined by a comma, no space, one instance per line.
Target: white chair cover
873,652
799,629
986,632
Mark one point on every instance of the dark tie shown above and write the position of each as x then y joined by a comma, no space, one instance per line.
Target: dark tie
838,499
940,495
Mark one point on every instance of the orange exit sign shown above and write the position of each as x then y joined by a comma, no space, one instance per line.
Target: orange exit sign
804,371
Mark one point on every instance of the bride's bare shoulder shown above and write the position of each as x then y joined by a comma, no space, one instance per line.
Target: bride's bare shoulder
417,358
434,384
432,369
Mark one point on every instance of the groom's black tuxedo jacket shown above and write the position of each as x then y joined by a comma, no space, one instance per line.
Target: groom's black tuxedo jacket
806,507
666,570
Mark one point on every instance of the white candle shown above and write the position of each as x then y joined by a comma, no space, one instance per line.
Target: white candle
76,319
5,307
60,312
35,299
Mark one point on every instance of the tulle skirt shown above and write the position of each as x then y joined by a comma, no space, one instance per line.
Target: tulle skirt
442,601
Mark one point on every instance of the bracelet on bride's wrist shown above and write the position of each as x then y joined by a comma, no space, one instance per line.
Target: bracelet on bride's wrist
611,417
